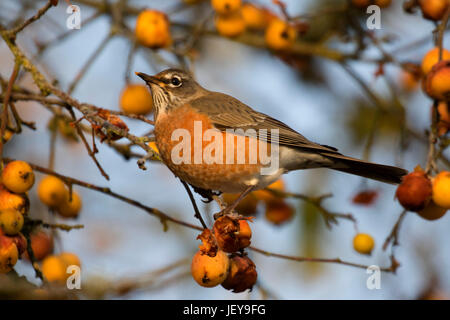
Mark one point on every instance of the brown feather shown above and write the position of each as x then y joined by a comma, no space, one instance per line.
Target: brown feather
226,112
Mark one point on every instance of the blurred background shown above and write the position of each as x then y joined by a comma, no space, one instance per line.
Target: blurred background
313,94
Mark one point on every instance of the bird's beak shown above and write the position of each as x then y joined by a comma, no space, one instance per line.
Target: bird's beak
148,79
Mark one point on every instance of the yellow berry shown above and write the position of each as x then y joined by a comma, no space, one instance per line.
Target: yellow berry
52,191
441,189
230,25
11,221
70,209
280,35
226,6
54,269
70,259
254,17
153,29
18,176
363,243
432,57
210,271
9,200
136,99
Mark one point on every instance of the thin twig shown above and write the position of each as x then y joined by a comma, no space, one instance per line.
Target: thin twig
198,215
393,236
7,95
13,32
86,144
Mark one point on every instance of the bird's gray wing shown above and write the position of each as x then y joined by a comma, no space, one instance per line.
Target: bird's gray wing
227,112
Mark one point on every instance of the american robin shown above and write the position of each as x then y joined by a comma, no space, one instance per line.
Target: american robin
184,109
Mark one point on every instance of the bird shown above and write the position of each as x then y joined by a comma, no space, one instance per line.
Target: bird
183,106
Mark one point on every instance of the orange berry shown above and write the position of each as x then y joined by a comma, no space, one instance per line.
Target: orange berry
415,191
409,80
247,206
8,254
280,35
18,176
363,243
242,274
360,3
153,29
433,9
383,3
229,237
210,271
54,269
230,25
70,259
226,6
7,135
52,191
245,233
279,212
366,3
9,200
136,99
268,196
444,117
41,244
11,221
70,208
432,57
441,189
437,81
255,18
432,211
115,121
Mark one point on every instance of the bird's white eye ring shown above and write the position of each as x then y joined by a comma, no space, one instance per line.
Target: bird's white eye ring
175,81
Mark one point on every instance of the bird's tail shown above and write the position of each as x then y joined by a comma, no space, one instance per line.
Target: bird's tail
369,170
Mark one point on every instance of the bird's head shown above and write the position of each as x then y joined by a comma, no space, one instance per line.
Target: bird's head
171,88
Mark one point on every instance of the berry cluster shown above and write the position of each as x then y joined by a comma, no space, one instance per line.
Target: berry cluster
428,196
17,179
212,265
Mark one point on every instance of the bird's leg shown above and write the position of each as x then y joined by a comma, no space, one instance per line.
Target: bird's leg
198,215
222,204
232,206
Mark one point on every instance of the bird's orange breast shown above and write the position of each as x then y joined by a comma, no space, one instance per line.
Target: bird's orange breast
229,170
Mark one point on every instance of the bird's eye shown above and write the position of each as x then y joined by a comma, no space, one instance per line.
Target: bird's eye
176,81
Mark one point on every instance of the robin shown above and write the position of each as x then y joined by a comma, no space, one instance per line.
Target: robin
185,109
